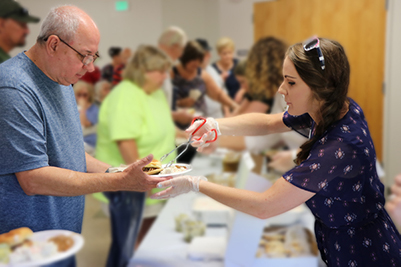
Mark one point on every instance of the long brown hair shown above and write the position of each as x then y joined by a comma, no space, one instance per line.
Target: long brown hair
264,67
329,86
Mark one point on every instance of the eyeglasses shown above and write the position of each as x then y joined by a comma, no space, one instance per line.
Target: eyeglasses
86,60
312,44
82,95
22,11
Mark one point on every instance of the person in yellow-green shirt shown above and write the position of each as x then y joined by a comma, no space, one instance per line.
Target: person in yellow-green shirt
135,121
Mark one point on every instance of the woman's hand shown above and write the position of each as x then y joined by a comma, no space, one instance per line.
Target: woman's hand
187,102
178,186
205,133
282,161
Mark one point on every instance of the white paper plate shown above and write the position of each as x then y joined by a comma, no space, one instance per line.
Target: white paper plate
44,236
189,168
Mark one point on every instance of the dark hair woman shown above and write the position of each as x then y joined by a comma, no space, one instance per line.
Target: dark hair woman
336,173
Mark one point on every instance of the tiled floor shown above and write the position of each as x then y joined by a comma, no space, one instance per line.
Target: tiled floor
96,233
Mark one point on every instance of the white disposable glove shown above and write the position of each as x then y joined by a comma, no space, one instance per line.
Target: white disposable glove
205,132
178,186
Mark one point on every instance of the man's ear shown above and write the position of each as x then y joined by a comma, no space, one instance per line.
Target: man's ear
52,44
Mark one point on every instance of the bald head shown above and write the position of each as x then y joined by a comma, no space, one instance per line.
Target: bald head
66,21
67,45
172,42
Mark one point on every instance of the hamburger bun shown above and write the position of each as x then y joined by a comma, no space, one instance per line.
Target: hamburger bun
16,236
154,167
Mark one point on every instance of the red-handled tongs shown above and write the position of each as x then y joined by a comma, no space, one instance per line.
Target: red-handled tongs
189,141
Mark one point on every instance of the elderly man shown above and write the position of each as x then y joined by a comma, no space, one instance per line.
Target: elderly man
13,27
44,169
172,42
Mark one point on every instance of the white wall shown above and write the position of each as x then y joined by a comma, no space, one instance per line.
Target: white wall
146,19
392,107
142,23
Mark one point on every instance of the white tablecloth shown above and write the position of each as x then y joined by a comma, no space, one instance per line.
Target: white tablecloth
163,246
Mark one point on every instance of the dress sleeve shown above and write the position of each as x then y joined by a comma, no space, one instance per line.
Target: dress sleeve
328,159
301,124
22,133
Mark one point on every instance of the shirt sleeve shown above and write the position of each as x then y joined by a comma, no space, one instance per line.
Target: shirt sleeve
328,160
92,114
22,133
125,119
301,124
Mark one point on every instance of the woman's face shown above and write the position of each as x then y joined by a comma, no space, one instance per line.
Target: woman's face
242,81
226,55
193,65
296,92
155,79
82,95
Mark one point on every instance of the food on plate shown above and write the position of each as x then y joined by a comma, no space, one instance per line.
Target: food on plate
154,167
16,237
63,242
173,169
18,246
284,242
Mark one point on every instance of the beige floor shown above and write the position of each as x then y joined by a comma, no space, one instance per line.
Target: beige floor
96,233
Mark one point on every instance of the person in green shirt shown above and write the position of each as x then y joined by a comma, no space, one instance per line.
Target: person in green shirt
135,121
13,26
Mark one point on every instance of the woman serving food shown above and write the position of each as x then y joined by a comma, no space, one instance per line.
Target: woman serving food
335,174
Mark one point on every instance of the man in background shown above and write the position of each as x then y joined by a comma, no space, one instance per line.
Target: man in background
14,29
172,42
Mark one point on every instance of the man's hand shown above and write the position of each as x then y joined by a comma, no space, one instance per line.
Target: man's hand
135,179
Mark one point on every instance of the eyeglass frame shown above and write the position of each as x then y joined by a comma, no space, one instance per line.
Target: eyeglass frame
94,57
319,50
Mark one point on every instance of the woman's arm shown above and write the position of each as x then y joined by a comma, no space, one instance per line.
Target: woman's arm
252,124
216,93
128,150
279,198
247,106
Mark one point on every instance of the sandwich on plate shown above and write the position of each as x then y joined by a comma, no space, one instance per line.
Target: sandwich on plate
154,167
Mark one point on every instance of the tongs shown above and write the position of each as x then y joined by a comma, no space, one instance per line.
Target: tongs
190,141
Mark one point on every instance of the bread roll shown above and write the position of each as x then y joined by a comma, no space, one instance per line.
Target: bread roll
16,236
153,167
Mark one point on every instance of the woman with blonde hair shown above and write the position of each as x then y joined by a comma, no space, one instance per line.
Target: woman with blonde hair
135,121
226,64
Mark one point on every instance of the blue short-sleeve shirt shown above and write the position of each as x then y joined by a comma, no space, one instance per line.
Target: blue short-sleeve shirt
39,127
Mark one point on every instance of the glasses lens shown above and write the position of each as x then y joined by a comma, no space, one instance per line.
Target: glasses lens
313,43
87,60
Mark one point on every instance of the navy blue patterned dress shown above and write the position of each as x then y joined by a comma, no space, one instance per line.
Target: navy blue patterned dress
352,227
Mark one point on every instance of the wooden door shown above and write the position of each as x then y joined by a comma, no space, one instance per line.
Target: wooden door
359,25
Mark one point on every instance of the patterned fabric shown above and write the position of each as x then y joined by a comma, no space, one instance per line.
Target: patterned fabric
183,88
352,227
